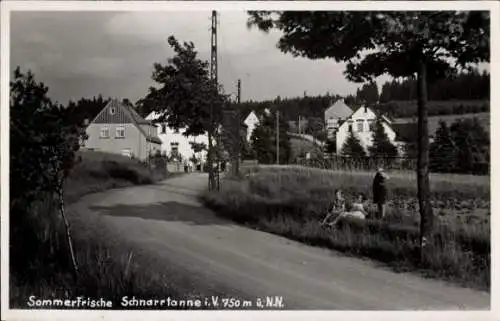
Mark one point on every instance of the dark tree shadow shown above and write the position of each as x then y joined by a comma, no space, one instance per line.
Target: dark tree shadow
167,211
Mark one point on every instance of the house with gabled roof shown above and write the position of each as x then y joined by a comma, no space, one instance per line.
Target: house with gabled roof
361,124
334,115
119,129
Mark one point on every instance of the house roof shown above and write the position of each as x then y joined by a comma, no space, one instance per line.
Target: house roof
338,110
129,115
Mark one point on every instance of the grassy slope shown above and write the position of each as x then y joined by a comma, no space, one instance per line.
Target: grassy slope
290,202
108,269
301,146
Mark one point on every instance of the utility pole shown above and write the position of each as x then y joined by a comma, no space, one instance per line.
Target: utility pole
213,182
277,137
238,155
238,98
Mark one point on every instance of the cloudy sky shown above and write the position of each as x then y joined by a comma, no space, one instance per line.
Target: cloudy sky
82,54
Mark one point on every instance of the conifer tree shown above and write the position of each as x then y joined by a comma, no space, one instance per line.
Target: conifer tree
382,146
442,151
352,147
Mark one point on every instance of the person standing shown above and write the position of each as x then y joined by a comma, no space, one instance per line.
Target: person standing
380,191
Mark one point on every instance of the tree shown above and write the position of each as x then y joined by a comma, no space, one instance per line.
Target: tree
262,144
430,45
352,147
442,151
264,141
233,137
472,145
187,98
44,140
331,146
368,94
381,145
316,127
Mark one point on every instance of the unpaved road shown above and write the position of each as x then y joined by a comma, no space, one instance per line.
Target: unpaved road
167,220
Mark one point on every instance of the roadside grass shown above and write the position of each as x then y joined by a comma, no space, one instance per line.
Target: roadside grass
39,260
291,200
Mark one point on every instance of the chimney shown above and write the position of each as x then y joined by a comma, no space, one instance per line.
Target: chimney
85,121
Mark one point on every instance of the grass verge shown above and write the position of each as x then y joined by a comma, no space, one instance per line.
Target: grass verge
39,261
291,201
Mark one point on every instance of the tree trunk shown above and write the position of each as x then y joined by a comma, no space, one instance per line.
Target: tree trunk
211,176
426,215
68,230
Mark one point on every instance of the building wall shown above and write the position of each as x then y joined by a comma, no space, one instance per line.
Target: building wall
184,147
361,122
134,143
169,135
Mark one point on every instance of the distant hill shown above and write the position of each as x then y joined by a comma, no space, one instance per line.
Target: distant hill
404,109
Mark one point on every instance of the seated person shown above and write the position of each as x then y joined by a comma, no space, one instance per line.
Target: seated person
357,210
337,207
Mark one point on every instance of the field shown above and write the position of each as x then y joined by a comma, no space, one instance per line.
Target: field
484,119
38,255
291,201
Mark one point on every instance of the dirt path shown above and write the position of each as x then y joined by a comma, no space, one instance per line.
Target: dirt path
168,220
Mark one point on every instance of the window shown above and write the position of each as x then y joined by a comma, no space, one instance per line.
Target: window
350,127
371,125
176,131
112,110
120,132
163,128
105,132
360,125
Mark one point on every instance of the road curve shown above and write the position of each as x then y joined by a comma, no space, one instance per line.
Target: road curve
168,220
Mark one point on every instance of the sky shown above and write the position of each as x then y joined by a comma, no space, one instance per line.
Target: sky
83,54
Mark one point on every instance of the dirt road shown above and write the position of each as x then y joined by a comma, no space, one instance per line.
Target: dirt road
168,220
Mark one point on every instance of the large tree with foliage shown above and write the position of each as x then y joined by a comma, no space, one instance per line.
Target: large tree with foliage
428,45
186,97
44,139
381,144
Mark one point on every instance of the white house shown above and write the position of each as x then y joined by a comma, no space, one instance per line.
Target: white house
173,141
251,122
361,122
334,115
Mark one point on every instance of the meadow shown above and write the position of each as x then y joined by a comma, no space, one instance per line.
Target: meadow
291,200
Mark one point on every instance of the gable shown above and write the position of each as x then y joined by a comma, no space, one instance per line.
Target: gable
117,113
113,113
338,110
251,119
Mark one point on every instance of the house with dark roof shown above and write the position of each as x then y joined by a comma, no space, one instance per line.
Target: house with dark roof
119,129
